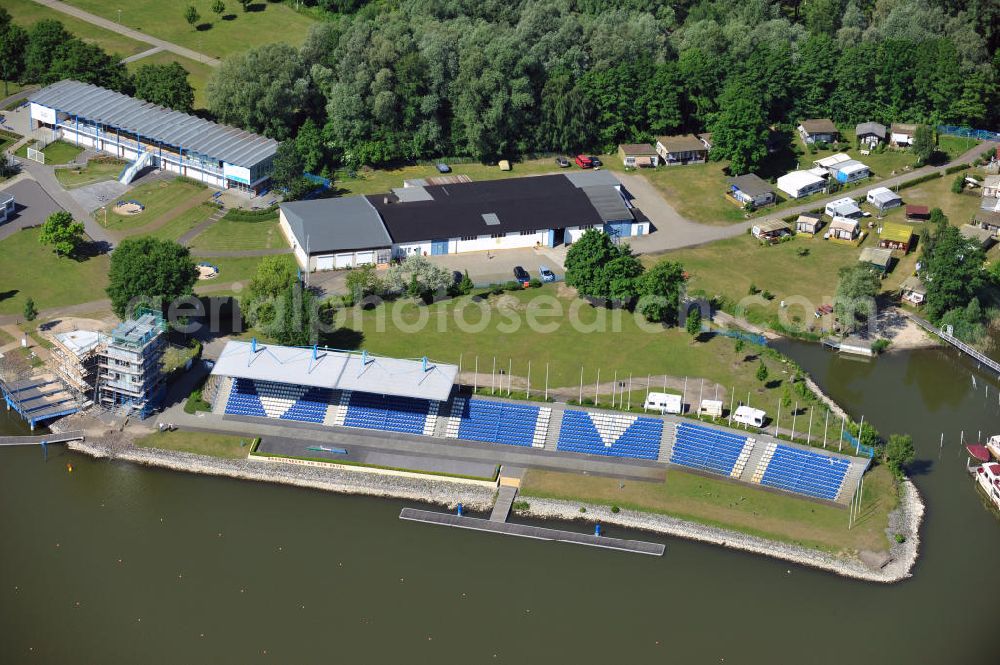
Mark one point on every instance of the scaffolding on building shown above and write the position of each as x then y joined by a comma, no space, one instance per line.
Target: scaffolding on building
130,374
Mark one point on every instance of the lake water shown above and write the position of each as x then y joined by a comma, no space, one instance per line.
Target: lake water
114,563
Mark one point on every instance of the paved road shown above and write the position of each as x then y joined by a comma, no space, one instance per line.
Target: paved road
45,176
129,32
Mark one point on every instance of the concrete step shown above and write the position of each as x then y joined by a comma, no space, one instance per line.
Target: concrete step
667,441
754,463
555,424
851,480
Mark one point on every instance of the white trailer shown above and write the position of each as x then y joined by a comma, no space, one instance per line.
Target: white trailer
711,408
664,403
746,415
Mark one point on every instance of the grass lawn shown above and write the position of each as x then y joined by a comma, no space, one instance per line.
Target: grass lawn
27,12
697,192
228,234
266,23
30,269
377,181
736,506
58,152
199,443
158,197
803,282
8,139
8,88
198,73
184,222
528,326
98,169
237,269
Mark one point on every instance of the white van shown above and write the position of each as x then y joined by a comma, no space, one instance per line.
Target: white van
663,402
711,408
746,415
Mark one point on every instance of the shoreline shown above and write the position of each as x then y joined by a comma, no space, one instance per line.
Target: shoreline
478,498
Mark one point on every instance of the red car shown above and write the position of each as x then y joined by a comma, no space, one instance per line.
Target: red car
584,162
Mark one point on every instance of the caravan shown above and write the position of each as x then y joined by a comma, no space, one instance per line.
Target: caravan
746,415
663,403
711,408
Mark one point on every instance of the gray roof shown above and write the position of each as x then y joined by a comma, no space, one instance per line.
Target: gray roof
751,185
876,128
592,177
336,224
235,146
337,370
878,256
608,203
883,195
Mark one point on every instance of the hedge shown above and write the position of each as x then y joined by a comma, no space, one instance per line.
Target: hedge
921,179
956,168
264,214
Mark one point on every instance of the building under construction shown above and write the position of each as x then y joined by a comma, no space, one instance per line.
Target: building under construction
130,375
74,360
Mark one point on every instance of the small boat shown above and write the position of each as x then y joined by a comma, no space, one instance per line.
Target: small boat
988,477
993,445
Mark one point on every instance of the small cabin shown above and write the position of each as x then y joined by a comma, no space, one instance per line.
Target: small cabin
913,290
808,223
769,231
893,235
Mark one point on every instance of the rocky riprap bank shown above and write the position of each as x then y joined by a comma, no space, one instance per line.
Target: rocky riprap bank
897,566
343,481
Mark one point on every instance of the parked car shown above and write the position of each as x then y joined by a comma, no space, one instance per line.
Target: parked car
442,167
595,162
563,162
521,275
545,274
583,162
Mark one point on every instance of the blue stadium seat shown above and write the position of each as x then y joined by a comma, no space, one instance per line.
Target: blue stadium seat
244,400
387,413
630,436
498,422
805,472
706,448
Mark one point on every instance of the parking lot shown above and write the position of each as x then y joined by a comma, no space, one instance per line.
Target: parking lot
491,267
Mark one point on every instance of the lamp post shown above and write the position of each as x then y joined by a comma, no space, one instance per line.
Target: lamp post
119,17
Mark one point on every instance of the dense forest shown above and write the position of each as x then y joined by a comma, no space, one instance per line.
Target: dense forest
385,81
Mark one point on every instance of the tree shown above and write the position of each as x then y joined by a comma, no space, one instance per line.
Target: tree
417,277
739,129
288,172
218,8
266,90
923,144
296,319
30,312
62,232
166,85
854,303
761,373
693,323
598,268
46,38
363,282
146,270
953,272
13,42
659,291
191,15
309,145
898,453
272,278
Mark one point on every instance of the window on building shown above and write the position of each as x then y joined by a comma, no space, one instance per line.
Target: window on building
468,238
497,235
528,233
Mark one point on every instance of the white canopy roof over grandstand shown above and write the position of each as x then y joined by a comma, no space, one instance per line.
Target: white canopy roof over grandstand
235,146
337,370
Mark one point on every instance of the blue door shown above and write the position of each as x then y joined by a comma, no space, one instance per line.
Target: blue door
439,247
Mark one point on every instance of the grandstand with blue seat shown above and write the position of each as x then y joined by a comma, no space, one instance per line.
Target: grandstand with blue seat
709,449
244,400
387,413
496,422
803,471
614,435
